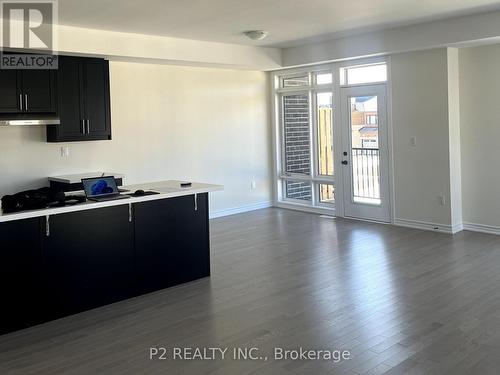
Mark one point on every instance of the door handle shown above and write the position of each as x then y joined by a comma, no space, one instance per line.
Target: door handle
21,102
47,226
83,126
196,202
88,126
25,102
345,162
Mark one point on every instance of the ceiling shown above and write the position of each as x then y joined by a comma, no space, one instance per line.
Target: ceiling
289,22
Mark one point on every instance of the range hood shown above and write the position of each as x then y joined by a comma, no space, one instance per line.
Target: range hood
29,120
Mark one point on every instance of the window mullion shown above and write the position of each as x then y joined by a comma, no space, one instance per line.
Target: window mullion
312,143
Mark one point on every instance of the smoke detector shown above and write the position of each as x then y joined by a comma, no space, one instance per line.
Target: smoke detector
256,34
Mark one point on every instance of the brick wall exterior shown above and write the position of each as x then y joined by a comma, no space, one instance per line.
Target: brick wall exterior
297,143
298,190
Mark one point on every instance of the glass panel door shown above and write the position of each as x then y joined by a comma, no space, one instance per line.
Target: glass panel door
365,157
364,149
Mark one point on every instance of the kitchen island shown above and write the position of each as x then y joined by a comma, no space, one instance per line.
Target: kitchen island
63,260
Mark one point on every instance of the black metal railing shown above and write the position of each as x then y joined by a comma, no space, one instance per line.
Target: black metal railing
366,173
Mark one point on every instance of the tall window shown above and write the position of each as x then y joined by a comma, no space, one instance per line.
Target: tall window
305,108
297,145
324,124
296,126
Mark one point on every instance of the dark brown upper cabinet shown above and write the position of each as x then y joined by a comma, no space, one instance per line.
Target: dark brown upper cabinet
83,101
27,92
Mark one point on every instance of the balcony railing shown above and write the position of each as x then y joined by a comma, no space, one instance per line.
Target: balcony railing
366,175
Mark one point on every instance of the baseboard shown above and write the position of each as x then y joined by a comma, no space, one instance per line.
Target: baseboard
425,225
416,224
304,208
240,209
481,228
457,228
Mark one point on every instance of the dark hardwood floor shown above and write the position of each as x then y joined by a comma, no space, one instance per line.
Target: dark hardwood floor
402,301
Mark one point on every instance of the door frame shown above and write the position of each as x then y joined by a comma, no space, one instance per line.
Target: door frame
339,188
382,212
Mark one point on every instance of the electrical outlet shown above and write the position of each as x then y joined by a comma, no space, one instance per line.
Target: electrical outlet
64,151
442,200
253,185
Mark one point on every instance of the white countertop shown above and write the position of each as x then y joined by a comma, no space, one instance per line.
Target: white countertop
167,189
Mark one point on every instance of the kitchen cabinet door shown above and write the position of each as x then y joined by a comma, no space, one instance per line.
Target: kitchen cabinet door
171,241
96,96
192,239
69,77
10,91
90,259
39,91
21,275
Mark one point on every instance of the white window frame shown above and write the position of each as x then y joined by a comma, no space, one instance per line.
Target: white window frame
344,68
369,120
314,178
320,204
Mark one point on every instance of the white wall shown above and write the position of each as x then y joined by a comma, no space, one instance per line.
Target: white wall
200,124
130,47
420,109
474,28
480,134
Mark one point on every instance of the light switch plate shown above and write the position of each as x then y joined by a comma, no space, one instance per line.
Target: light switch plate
442,200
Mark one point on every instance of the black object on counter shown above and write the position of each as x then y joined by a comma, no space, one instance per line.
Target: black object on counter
70,200
142,193
32,199
185,184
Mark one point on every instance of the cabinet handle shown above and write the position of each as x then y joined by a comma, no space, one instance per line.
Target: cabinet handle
88,126
47,226
130,215
196,202
83,126
21,102
25,102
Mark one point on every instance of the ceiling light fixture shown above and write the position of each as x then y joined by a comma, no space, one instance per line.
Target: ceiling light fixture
256,34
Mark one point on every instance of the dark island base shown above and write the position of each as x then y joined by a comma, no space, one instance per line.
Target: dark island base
81,260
